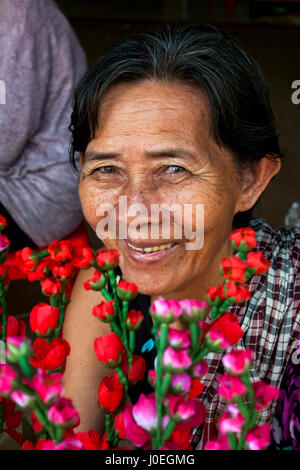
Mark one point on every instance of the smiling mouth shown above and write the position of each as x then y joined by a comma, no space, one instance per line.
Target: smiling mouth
151,249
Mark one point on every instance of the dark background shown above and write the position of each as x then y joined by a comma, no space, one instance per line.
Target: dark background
270,30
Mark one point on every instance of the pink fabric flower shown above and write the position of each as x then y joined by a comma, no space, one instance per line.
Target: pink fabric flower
238,362
21,398
231,386
135,433
179,338
145,414
70,443
63,413
185,410
258,438
200,369
181,382
231,421
176,361
166,310
7,376
48,386
193,309
264,394
220,444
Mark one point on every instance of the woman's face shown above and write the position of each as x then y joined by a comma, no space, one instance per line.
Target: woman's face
156,148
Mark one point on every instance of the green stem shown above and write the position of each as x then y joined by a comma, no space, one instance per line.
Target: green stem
203,352
131,340
61,309
194,332
166,383
25,366
106,294
163,340
125,306
168,431
109,428
252,413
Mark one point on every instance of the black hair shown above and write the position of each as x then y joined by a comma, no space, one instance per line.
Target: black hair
204,55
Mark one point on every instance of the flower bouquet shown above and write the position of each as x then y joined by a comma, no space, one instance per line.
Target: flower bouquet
31,392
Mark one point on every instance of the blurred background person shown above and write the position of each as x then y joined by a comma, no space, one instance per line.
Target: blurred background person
41,61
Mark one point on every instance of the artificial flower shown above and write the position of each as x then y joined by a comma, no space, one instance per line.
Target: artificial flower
231,387
105,311
243,239
49,356
238,362
264,394
107,259
126,290
109,349
43,319
258,438
97,281
110,394
60,250
63,413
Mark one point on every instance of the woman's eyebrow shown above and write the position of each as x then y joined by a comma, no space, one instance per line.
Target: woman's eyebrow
169,152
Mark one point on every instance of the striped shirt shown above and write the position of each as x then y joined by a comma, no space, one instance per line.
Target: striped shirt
270,320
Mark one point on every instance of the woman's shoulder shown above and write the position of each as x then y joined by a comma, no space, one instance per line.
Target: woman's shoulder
276,241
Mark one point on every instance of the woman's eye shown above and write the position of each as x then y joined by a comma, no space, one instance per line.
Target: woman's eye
105,169
174,169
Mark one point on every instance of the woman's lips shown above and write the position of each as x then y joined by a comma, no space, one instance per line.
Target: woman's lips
151,257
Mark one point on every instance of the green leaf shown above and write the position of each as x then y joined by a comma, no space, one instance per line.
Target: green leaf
7,442
28,432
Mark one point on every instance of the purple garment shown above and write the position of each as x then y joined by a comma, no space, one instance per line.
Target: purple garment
286,419
41,61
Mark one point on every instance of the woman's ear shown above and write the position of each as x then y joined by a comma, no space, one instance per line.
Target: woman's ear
255,181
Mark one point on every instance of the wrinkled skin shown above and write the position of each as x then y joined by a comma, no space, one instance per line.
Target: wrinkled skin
135,118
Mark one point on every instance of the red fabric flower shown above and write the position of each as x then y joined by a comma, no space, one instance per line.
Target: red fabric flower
181,436
137,370
41,271
90,440
11,417
119,425
243,239
43,319
105,310
258,262
110,393
82,257
49,356
134,319
97,281
14,327
196,389
222,333
239,292
3,222
109,349
233,269
60,250
107,259
126,290
24,260
215,295
36,425
63,270
51,286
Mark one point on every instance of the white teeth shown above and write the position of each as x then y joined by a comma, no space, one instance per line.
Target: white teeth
152,248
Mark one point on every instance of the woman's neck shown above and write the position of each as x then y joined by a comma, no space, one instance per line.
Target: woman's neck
197,287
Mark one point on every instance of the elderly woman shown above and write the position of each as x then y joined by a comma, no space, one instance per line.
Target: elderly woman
180,115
